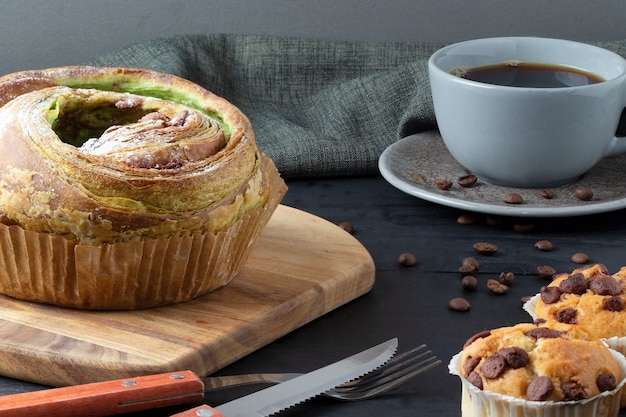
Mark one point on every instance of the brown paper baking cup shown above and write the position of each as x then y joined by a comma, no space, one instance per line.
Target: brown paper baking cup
51,269
479,403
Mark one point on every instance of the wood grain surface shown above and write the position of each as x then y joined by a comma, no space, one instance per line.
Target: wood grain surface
302,268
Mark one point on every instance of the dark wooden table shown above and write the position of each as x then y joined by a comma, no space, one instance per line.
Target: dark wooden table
411,302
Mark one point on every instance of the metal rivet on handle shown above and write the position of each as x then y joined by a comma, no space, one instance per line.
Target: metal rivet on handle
177,376
129,383
204,413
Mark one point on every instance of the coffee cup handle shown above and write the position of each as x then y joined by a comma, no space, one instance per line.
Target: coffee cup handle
617,144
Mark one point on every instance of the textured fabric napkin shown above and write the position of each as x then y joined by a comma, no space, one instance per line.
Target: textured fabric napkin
318,108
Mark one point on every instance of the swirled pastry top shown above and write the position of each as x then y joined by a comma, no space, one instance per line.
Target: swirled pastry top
113,154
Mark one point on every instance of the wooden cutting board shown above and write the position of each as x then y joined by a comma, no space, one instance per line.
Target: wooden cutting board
302,268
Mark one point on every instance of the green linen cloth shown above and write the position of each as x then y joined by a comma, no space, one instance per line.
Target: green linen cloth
319,108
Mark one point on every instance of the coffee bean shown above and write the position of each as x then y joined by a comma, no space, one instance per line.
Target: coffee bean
544,245
485,248
539,389
583,193
443,184
507,278
546,272
550,295
606,382
515,357
471,262
407,259
496,287
469,283
523,227
493,366
458,304
347,227
566,315
513,198
580,258
466,270
574,284
547,193
467,218
572,391
467,180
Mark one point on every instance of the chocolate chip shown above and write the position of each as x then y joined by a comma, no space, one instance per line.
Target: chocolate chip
407,259
566,315
580,258
583,193
513,198
469,283
544,245
458,304
467,180
606,382
496,287
572,391
574,284
470,364
443,184
479,335
493,366
605,285
539,389
546,272
546,193
485,248
550,295
507,278
615,303
475,379
543,333
514,356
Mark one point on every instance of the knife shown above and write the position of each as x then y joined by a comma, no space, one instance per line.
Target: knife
107,398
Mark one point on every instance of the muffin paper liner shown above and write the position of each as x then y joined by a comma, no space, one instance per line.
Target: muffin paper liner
479,403
51,269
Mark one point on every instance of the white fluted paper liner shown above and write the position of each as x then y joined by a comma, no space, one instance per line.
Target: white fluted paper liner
479,403
529,306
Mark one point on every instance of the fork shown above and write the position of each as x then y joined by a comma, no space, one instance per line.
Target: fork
398,370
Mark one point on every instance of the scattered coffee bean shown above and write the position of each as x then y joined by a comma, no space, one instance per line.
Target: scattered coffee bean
347,227
496,287
467,180
470,263
469,283
485,248
546,272
544,245
580,258
465,270
539,389
523,227
507,278
443,184
407,259
583,193
467,218
547,193
458,304
513,198
606,382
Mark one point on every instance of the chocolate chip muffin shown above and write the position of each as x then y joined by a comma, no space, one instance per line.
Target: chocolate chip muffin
590,297
528,368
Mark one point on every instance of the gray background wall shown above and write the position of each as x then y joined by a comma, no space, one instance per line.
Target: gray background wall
46,33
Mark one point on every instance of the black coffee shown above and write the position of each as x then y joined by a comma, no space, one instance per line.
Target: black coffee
528,74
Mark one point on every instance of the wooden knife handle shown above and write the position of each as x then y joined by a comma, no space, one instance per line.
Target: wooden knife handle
107,398
201,411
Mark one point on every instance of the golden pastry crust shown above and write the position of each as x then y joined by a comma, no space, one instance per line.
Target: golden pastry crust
539,363
589,297
56,181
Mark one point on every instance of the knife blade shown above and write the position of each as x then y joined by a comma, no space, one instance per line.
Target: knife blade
286,394
128,395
